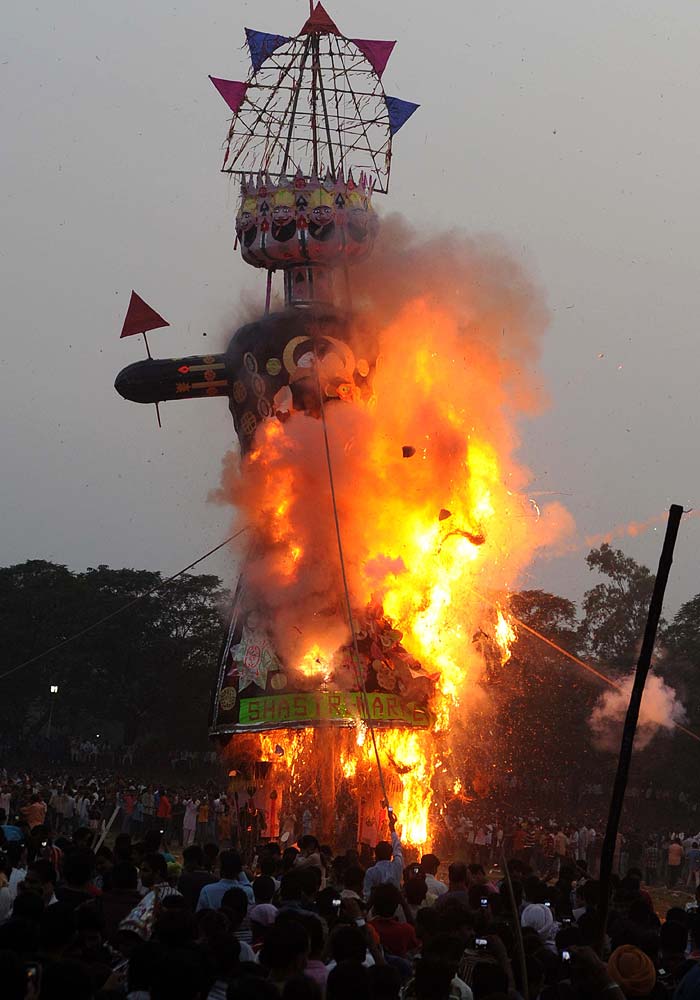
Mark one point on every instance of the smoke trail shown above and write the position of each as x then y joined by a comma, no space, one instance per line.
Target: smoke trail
660,709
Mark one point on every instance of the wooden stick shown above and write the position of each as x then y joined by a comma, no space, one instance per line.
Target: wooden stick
623,765
525,990
106,830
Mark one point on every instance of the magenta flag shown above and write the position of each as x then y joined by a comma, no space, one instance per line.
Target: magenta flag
376,53
232,91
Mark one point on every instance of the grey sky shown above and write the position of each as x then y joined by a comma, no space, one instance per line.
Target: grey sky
570,129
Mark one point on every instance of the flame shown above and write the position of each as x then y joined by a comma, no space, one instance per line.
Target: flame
505,635
433,512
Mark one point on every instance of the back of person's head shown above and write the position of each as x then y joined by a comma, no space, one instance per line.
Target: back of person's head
83,836
158,865
415,890
122,847
193,856
285,947
125,875
348,944
354,878
567,937
289,857
291,887
44,870
308,843
454,916
230,864
447,948
263,889
64,979
235,904
314,928
591,892
151,841
677,915
268,865
384,982
477,871
310,878
432,980
673,938
301,987
430,864
488,978
174,925
78,866
348,981
385,899
383,851
457,873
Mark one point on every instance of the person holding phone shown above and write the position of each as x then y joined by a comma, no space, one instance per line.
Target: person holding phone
388,866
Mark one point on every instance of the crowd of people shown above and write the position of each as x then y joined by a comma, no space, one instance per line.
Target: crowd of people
234,912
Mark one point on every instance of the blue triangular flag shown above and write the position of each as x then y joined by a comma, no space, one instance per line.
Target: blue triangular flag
399,112
261,45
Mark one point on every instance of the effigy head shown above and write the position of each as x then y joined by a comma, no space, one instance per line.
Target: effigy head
306,220
278,364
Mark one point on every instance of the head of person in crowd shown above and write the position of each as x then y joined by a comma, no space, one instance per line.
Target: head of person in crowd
211,854
349,980
193,858
122,847
263,889
235,905
41,878
632,970
154,870
385,899
289,858
79,868
430,863
57,929
458,876
230,865
384,982
383,851
285,950
348,943
353,879
415,890
432,979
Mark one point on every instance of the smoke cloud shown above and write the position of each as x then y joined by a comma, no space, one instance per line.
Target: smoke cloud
660,709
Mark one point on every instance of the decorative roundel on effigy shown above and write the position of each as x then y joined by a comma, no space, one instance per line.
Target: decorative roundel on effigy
299,352
306,220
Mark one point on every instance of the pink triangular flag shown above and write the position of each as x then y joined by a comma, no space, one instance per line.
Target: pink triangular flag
320,21
375,52
232,91
140,318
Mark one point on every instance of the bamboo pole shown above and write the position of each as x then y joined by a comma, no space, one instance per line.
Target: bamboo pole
623,765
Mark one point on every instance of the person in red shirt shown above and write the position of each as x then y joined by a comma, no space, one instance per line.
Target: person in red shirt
396,936
164,813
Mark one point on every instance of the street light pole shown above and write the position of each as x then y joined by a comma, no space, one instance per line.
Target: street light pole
53,690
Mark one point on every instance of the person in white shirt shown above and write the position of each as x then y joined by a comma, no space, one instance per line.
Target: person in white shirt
386,868
430,863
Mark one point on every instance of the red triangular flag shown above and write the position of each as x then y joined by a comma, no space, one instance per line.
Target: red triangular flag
376,53
232,91
320,21
140,318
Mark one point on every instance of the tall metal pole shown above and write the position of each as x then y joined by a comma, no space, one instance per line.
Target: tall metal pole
623,765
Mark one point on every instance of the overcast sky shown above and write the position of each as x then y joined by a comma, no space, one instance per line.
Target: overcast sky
569,129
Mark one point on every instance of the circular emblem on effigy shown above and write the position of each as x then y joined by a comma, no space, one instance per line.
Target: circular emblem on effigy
227,698
278,682
258,385
273,366
250,362
264,408
248,423
239,392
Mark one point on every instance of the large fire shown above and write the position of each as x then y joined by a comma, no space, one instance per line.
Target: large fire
433,513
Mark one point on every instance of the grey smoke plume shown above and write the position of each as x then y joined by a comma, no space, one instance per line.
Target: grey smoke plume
660,709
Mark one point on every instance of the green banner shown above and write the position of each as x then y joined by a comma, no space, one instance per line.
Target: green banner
273,711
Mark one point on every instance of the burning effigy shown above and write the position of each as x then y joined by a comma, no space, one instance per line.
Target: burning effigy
374,415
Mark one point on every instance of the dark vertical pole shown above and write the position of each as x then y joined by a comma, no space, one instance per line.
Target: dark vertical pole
623,765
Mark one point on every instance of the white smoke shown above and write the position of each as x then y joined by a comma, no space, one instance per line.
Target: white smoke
660,709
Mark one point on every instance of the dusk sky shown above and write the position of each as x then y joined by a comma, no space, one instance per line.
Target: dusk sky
569,130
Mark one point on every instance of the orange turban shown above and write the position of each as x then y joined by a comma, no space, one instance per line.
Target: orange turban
632,970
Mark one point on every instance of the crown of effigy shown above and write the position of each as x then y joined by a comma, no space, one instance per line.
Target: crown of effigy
306,219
